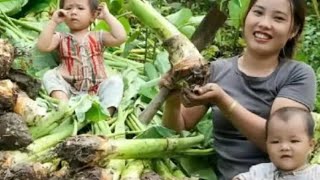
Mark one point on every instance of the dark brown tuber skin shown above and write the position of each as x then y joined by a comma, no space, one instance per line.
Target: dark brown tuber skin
93,173
81,150
8,96
25,172
189,78
61,174
25,82
14,133
6,57
85,173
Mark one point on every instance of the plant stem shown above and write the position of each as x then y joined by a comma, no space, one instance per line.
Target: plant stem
149,16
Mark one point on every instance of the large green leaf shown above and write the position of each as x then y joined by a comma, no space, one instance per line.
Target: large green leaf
198,167
46,60
115,6
131,42
132,83
103,26
149,92
36,6
150,70
125,23
42,60
11,7
195,20
180,18
205,127
187,30
156,132
97,112
82,104
162,62
237,9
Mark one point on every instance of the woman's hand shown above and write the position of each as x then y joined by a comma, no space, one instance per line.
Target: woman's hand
59,16
103,11
210,93
167,82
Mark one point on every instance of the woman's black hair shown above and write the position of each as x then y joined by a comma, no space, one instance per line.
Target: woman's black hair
298,11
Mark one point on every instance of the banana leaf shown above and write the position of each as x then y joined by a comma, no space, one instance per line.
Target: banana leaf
12,7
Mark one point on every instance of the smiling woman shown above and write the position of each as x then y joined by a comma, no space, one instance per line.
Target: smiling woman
268,26
274,21
244,90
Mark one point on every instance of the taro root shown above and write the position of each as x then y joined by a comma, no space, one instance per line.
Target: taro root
93,173
81,150
62,174
10,158
8,96
6,57
25,82
14,132
25,172
28,109
85,173
13,99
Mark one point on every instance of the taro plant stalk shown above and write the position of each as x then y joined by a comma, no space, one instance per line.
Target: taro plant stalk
90,149
179,47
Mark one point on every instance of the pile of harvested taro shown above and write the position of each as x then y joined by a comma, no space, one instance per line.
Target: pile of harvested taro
42,138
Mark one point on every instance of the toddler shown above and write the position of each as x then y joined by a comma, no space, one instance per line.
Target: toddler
81,68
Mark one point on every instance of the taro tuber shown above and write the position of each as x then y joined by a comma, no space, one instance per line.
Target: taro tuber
14,132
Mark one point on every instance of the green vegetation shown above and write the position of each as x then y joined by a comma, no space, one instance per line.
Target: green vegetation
141,61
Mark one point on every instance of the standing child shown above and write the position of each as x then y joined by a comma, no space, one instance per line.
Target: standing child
289,143
81,68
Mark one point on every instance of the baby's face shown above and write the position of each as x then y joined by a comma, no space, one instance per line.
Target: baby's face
288,143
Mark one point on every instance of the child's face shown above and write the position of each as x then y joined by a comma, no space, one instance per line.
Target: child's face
79,14
288,143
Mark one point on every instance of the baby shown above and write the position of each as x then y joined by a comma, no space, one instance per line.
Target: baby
289,143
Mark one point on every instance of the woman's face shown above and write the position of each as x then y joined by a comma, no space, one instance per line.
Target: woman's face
268,26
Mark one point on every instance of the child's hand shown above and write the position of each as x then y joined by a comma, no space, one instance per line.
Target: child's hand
59,16
103,11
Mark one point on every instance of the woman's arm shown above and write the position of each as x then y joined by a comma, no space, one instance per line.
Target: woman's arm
249,124
118,34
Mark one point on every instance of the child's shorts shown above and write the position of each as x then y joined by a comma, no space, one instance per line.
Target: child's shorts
110,91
